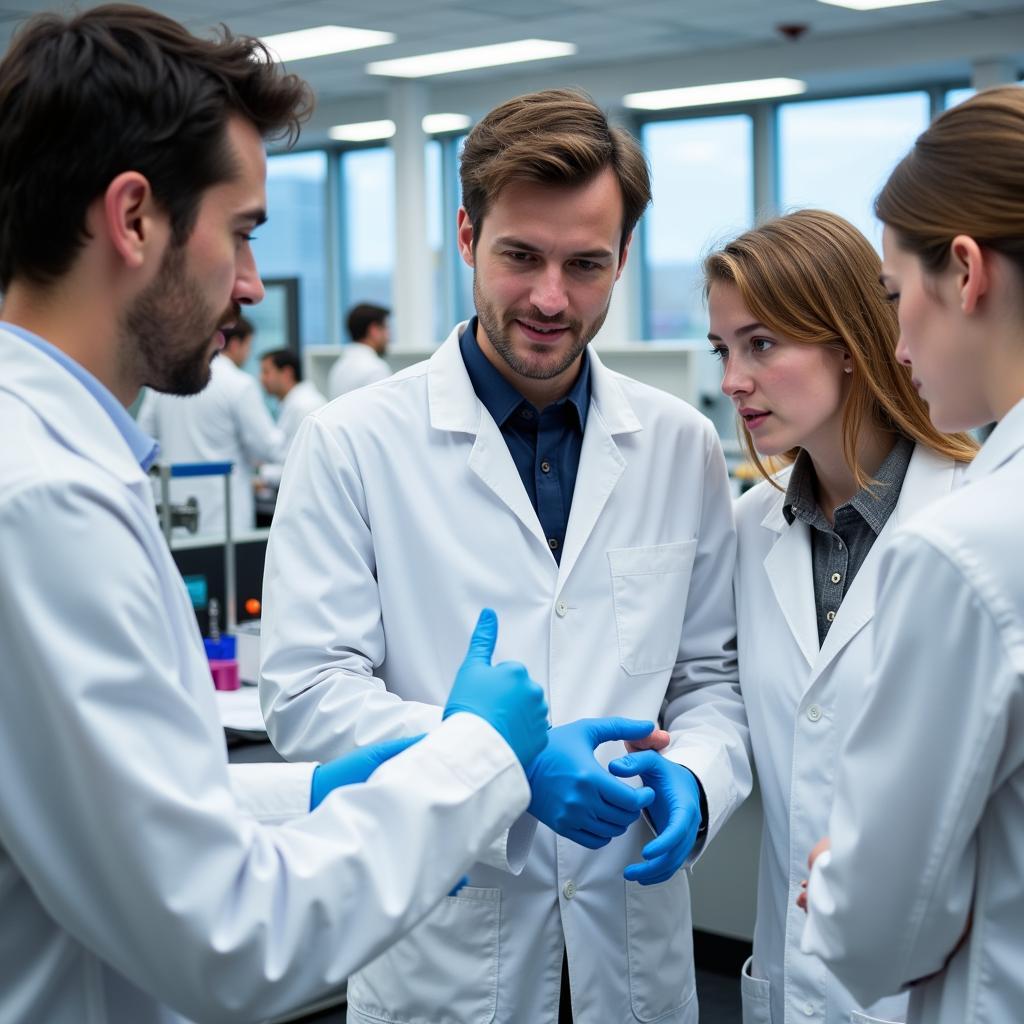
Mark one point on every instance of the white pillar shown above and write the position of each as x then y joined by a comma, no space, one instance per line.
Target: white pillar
412,289
997,71
766,163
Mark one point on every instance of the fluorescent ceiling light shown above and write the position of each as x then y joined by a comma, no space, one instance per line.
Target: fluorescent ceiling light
873,5
362,131
434,124
317,42
705,95
475,57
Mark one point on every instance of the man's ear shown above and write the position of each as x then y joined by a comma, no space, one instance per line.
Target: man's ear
969,262
624,255
466,235
130,219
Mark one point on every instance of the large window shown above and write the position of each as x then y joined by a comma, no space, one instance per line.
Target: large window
702,177
368,191
293,242
837,154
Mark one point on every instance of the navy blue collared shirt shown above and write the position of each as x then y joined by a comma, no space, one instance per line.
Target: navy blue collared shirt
545,444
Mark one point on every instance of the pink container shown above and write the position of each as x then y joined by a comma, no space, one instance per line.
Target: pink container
225,674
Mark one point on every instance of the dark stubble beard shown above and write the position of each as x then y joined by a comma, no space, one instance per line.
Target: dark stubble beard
167,331
498,335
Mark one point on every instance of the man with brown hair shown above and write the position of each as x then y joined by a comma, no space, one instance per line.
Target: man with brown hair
143,878
599,508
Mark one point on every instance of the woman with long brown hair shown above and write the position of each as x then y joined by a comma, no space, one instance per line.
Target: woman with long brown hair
807,339
924,881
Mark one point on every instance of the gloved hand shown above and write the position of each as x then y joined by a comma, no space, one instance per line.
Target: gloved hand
355,767
675,814
572,792
503,695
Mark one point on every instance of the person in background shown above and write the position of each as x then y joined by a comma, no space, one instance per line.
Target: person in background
599,508
281,377
226,422
923,885
144,879
807,338
362,362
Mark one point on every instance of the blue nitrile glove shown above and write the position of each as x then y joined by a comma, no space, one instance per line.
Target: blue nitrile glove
675,814
355,767
573,794
503,695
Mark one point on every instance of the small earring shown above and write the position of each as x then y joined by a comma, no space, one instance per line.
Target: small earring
847,369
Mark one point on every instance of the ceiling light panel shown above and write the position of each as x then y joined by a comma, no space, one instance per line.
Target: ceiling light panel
362,131
873,5
448,61
707,95
320,41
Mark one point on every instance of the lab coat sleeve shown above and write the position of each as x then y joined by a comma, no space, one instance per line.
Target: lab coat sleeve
261,439
322,635
118,809
891,901
703,708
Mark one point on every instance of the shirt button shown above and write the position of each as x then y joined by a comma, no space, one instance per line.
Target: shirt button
808,1010
561,609
814,713
553,543
836,577
569,889
831,616
545,467
527,414
839,544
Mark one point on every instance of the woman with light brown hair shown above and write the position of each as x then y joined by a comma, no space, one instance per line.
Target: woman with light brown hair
807,339
923,885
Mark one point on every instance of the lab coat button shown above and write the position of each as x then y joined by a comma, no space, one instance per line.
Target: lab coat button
569,890
814,713
808,1010
561,609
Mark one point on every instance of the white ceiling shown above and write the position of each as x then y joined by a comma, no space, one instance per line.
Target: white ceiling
614,37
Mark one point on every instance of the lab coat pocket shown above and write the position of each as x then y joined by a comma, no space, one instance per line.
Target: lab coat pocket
649,587
659,945
444,972
856,1017
756,994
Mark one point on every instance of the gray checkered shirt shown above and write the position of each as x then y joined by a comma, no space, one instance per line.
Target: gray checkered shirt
838,551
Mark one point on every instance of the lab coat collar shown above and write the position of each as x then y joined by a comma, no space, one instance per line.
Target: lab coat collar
1002,444
66,406
455,406
789,562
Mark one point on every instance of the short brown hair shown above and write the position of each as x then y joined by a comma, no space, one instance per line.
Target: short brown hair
554,137
122,88
813,277
964,176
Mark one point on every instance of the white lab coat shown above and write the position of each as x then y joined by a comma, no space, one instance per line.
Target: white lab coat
137,883
800,698
227,421
356,367
295,407
928,821
400,516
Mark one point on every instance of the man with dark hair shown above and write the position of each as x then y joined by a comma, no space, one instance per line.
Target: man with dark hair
281,377
362,362
143,877
227,421
601,507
